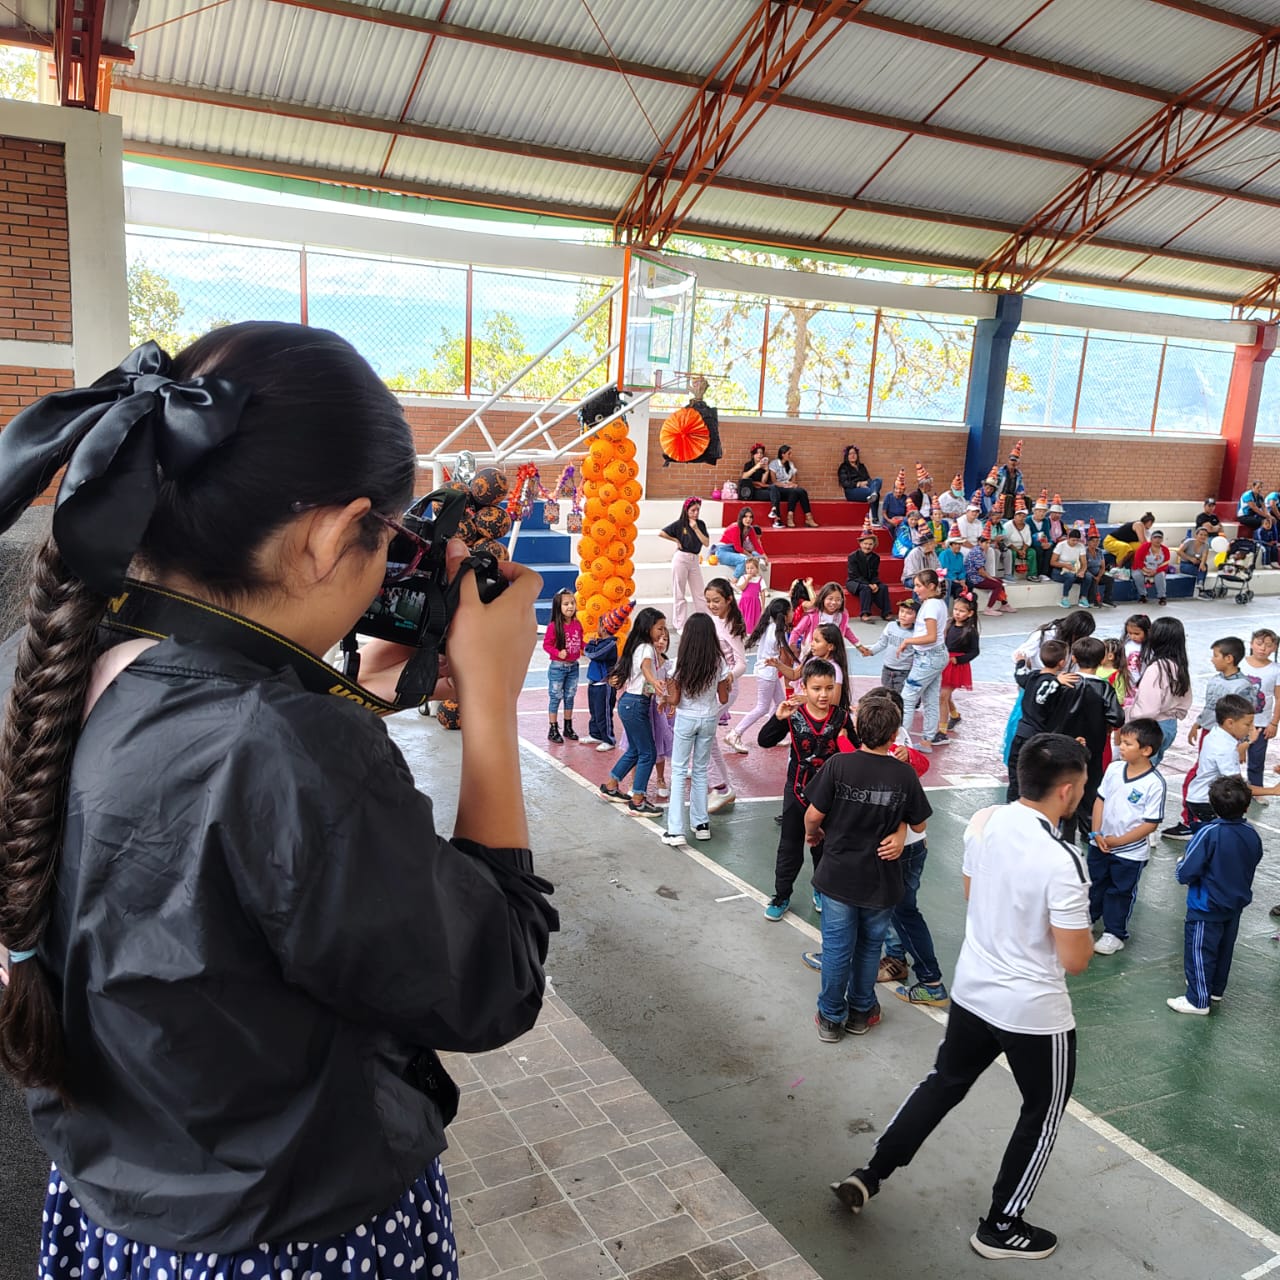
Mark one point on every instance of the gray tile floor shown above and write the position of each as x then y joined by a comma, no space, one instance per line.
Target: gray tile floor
562,1166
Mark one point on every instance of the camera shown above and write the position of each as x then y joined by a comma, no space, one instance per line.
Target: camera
417,601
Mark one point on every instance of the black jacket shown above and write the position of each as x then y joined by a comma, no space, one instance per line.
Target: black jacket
259,938
863,566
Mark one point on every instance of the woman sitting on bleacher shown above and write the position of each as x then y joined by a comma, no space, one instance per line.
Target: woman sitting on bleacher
756,484
1124,541
740,540
786,493
858,483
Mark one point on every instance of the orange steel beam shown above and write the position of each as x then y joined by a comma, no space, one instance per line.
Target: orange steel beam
30,38
1212,13
1178,134
505,146
77,51
1262,300
774,46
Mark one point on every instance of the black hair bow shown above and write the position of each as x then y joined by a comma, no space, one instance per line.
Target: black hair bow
119,439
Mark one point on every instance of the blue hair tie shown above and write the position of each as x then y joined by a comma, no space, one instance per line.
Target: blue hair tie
17,957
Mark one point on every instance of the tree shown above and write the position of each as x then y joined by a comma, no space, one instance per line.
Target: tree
154,308
18,69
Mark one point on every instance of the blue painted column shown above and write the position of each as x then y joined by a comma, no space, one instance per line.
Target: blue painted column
988,370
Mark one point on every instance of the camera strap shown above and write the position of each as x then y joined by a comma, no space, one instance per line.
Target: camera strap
143,609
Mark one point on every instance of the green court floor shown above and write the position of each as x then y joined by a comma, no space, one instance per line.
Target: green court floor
1199,1092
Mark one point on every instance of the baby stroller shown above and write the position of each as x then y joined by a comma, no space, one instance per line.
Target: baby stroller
1235,573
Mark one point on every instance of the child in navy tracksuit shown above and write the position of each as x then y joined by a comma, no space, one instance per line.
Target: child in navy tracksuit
602,655
1218,871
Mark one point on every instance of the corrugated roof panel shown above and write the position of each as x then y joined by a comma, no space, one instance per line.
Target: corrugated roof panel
946,175
878,71
1159,216
1153,272
659,32
483,171
278,51
1131,39
1236,230
1016,103
858,231
530,99
1249,160
990,23
766,216
792,148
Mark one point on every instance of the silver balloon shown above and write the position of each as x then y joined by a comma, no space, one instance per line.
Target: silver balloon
464,469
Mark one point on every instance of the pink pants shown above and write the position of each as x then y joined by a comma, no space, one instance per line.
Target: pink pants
686,577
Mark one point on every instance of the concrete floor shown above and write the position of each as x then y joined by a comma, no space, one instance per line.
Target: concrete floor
709,1007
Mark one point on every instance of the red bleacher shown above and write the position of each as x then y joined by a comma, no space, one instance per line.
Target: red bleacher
822,553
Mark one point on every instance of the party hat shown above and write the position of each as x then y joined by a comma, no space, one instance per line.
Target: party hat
993,476
1019,504
612,621
1044,496
912,509
921,473
1016,451
957,483
986,529
977,498
1093,527
901,482
1057,499
867,526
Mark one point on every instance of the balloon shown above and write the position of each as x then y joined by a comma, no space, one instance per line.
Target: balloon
604,450
626,448
602,568
623,512
621,470
495,549
599,604
607,493
616,430
614,589
588,549
604,531
713,558
626,569
489,485
593,467
616,551
631,491
593,509
492,522
1219,543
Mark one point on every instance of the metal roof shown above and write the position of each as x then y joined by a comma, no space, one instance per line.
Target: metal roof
925,131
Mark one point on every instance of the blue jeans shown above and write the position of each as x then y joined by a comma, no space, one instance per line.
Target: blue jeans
851,942
1170,730
869,493
562,683
923,687
908,930
691,741
633,711
1069,580
730,558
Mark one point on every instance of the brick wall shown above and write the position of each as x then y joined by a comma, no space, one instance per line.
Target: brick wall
35,271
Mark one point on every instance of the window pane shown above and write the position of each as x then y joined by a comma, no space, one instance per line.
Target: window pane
1193,389
1044,369
1119,388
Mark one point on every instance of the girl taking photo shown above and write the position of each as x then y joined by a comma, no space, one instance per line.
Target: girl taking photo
232,928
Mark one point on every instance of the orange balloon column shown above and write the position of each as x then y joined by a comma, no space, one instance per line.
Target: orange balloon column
611,494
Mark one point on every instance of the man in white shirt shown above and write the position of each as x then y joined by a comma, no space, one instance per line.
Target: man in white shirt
1067,566
952,504
969,525
1019,538
1027,927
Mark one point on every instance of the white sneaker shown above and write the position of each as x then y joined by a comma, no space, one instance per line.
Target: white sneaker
664,792
671,837
606,746
587,740
719,800
1108,945
703,832
734,743
1180,1004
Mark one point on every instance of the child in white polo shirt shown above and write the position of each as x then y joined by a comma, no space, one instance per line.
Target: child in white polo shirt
1128,809
1223,756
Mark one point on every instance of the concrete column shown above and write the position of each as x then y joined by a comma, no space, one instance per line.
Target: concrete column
1240,416
988,370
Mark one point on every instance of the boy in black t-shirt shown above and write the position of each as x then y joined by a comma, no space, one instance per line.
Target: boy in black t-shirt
1048,696
860,806
1094,713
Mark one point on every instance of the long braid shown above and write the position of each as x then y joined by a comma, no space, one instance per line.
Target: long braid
42,721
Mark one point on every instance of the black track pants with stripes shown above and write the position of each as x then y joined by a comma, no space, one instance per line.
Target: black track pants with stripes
1044,1068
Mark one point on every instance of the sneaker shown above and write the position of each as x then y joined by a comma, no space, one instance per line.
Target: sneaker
569,735
1180,831
939,739
777,523
1274,913
828,1032
589,740
606,746
553,734
1006,607
613,793
1066,604
813,959
892,970
817,902
993,612
1215,999
773,514
1142,599
922,744
664,792
1084,604
720,800
1108,945
953,721
777,817
1162,601
734,743
1180,1004
672,837
777,908
643,807
1012,1239
931,993
702,831
856,1189
859,1023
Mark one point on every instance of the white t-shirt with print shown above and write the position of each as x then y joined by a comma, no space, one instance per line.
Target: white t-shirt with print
936,610
1128,801
1219,758
1263,680
1024,880
637,682
1070,554
706,703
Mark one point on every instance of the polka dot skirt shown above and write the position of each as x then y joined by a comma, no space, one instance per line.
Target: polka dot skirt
412,1238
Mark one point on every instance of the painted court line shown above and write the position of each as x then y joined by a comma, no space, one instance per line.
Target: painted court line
1194,1190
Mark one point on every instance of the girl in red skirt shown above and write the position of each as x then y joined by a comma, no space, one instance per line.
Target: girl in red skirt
962,645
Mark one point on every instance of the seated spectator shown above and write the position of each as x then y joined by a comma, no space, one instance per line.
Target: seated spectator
739,541
969,525
1121,543
952,504
1041,535
1272,504
864,578
1252,507
910,532
1099,584
756,483
1195,555
894,510
1057,526
857,483
990,499
1268,538
925,556
951,562
1150,562
1068,567
977,576
789,494
1208,517
1019,540
923,496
